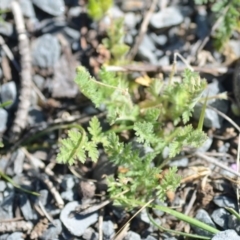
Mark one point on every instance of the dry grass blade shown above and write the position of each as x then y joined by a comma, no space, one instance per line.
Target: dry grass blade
124,227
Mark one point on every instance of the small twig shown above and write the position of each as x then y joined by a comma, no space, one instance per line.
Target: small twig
54,192
20,120
16,226
100,224
155,68
225,117
132,53
187,210
9,54
237,162
45,212
216,162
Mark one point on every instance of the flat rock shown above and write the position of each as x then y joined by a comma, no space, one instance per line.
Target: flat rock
16,235
203,216
6,207
52,231
4,118
211,118
5,4
220,217
76,224
108,230
54,8
228,234
225,201
132,236
7,30
45,51
27,8
90,234
169,17
9,93
26,208
63,85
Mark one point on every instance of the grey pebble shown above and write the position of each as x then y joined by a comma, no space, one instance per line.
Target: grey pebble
164,61
132,236
4,118
44,194
3,185
71,33
144,216
211,118
203,216
77,224
45,51
150,238
35,115
5,4
202,22
68,195
68,182
9,93
220,217
52,231
168,236
159,40
206,145
90,233
7,30
108,230
233,223
27,8
39,81
228,234
55,8
225,201
52,25
74,12
26,208
6,207
16,235
170,16
183,162
130,20
146,50
19,157
128,39
4,236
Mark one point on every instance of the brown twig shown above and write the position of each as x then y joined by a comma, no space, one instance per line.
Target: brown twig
216,162
15,226
54,192
155,68
132,53
20,120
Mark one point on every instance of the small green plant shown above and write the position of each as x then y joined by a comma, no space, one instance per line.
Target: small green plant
166,102
228,14
97,8
115,42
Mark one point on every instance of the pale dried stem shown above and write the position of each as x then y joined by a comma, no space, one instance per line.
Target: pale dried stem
21,115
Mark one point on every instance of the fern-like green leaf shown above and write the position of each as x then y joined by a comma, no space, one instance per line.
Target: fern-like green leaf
145,132
72,148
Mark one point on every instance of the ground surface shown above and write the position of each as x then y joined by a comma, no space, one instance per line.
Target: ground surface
60,36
